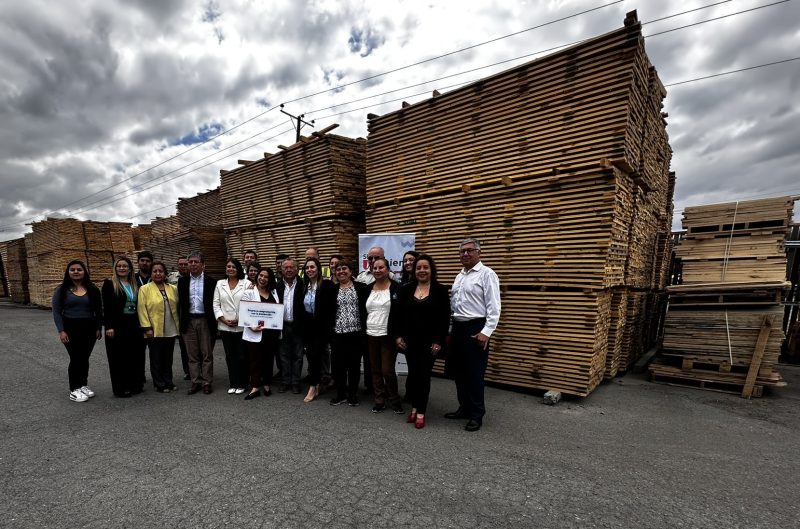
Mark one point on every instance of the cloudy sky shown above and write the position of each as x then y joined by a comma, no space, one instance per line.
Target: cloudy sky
101,93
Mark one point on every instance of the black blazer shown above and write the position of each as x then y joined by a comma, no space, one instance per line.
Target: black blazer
297,303
113,305
328,303
313,326
209,284
433,328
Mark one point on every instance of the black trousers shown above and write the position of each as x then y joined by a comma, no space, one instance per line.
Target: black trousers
82,334
261,357
347,351
235,358
161,350
316,349
184,355
468,362
122,351
418,383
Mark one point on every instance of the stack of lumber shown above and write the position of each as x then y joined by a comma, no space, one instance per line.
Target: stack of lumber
736,242
3,278
561,168
724,326
141,234
15,263
195,227
791,351
308,194
54,242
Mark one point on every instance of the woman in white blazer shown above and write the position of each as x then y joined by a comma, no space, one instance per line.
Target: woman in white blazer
261,344
227,295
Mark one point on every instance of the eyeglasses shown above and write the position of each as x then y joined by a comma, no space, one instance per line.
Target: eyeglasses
468,251
372,257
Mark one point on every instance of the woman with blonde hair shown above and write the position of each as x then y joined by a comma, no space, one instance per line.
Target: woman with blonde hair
124,341
158,316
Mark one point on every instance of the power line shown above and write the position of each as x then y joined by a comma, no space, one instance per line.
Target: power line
717,18
226,131
102,202
448,54
117,199
732,71
335,88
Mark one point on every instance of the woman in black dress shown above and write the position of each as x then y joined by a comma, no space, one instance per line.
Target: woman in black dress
78,315
419,321
124,339
314,338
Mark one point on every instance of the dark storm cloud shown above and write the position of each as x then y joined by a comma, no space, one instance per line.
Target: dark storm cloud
159,11
67,75
364,41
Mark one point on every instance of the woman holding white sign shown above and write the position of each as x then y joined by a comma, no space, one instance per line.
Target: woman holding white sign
261,343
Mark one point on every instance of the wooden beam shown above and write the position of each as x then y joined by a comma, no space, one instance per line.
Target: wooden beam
325,130
758,355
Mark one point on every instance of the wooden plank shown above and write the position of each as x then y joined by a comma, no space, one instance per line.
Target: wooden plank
758,355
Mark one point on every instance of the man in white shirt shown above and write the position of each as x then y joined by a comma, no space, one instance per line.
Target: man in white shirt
198,324
290,293
475,305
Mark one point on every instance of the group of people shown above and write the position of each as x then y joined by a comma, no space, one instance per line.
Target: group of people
334,322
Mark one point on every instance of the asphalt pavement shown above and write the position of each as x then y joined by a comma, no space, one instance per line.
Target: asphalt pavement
632,455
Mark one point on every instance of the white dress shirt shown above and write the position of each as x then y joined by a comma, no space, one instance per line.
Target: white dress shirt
196,294
288,300
476,294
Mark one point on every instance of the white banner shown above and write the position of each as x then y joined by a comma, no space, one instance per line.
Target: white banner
267,315
394,246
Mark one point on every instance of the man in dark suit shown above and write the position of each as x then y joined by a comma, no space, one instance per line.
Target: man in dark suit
290,293
198,326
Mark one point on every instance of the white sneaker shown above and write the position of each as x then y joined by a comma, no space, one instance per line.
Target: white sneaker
231,391
239,391
87,391
78,396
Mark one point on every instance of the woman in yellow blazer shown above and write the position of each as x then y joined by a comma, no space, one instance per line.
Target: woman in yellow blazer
158,318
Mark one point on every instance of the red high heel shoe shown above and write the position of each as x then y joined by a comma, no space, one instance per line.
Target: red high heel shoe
411,417
420,422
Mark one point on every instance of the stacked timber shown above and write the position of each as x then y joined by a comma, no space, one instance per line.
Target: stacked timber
141,235
195,227
308,194
724,325
3,278
55,242
15,262
561,168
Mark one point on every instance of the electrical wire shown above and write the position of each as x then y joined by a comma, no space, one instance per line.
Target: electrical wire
85,207
333,89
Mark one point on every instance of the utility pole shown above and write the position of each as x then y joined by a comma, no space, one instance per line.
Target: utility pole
299,124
